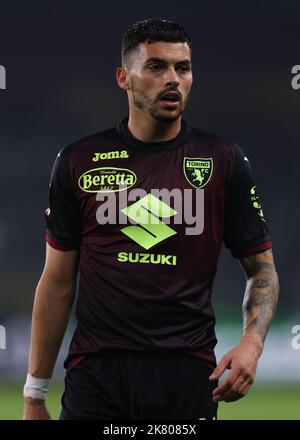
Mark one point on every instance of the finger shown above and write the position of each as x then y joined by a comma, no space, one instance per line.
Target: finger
231,381
232,396
238,388
220,368
243,390
236,393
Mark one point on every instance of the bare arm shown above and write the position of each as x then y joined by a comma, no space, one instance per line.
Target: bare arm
259,305
52,305
261,296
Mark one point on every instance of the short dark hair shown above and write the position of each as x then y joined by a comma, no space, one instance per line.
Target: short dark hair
151,31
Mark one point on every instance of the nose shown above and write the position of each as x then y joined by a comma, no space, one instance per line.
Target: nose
172,77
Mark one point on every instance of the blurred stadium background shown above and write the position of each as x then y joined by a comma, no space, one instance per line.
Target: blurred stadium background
60,66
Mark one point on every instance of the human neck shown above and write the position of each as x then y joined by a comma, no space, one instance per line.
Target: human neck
148,130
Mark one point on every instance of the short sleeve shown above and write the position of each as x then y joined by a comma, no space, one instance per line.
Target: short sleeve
62,217
245,228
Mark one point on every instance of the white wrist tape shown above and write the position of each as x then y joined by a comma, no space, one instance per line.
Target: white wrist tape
35,387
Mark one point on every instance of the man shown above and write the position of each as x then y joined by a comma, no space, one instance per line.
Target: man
144,343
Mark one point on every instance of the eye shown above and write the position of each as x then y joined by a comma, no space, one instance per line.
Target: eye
184,68
155,67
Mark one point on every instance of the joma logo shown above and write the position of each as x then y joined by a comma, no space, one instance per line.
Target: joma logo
110,155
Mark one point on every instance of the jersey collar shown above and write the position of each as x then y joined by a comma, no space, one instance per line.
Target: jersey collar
149,147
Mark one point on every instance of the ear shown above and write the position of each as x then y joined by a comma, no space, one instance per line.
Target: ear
122,78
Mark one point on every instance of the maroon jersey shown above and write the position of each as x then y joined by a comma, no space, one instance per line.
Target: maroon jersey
148,220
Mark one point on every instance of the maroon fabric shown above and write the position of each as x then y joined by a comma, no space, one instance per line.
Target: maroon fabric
151,307
57,246
255,249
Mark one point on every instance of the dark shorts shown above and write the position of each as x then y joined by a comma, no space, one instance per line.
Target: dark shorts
132,385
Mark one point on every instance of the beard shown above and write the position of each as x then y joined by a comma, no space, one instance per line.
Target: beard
142,101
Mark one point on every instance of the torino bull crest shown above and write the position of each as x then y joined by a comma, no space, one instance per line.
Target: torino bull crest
198,170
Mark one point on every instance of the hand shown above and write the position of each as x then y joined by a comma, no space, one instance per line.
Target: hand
242,361
35,409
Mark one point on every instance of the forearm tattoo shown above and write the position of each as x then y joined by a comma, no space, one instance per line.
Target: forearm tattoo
261,294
